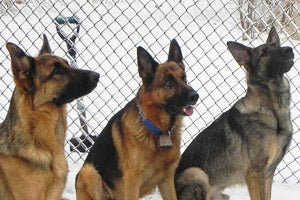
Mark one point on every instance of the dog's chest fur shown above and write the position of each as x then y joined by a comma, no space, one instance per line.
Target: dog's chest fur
142,156
34,135
271,100
34,140
270,103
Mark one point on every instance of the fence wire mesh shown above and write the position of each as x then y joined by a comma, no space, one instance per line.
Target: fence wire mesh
111,30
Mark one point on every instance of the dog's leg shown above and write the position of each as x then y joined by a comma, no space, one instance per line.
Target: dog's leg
60,170
268,185
132,186
167,188
256,184
5,191
89,185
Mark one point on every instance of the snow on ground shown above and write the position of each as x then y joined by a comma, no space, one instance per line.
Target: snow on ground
280,191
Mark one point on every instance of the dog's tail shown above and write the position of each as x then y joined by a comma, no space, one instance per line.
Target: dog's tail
191,184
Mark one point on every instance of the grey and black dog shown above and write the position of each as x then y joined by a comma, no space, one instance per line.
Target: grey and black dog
246,143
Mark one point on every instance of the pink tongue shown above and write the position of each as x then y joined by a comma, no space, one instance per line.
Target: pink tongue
188,110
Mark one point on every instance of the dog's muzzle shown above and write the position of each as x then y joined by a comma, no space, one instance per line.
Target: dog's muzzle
187,108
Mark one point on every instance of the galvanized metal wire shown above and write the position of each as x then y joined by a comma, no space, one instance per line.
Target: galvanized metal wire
111,30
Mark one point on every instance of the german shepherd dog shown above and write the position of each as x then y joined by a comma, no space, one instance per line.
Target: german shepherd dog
32,160
140,146
246,143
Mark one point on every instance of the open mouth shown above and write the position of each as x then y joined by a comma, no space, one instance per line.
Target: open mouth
182,104
188,110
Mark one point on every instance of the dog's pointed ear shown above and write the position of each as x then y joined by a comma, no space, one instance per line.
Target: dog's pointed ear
273,37
146,65
175,53
46,47
21,65
240,53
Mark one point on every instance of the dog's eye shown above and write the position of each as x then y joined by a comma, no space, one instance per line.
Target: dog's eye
58,69
170,82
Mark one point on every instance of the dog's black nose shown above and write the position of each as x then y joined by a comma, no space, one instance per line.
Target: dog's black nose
193,97
287,51
94,77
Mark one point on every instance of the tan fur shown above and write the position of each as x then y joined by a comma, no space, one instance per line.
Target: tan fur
143,165
138,155
89,174
32,161
247,142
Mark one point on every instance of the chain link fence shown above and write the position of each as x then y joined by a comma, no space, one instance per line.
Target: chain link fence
104,36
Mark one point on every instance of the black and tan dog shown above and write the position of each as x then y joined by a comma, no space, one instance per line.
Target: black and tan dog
32,160
140,146
246,143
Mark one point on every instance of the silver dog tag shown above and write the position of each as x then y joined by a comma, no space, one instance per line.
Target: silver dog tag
165,141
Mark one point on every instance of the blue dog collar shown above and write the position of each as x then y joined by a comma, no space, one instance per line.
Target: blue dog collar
150,125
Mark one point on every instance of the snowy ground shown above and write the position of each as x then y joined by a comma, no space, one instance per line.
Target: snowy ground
219,87
280,191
